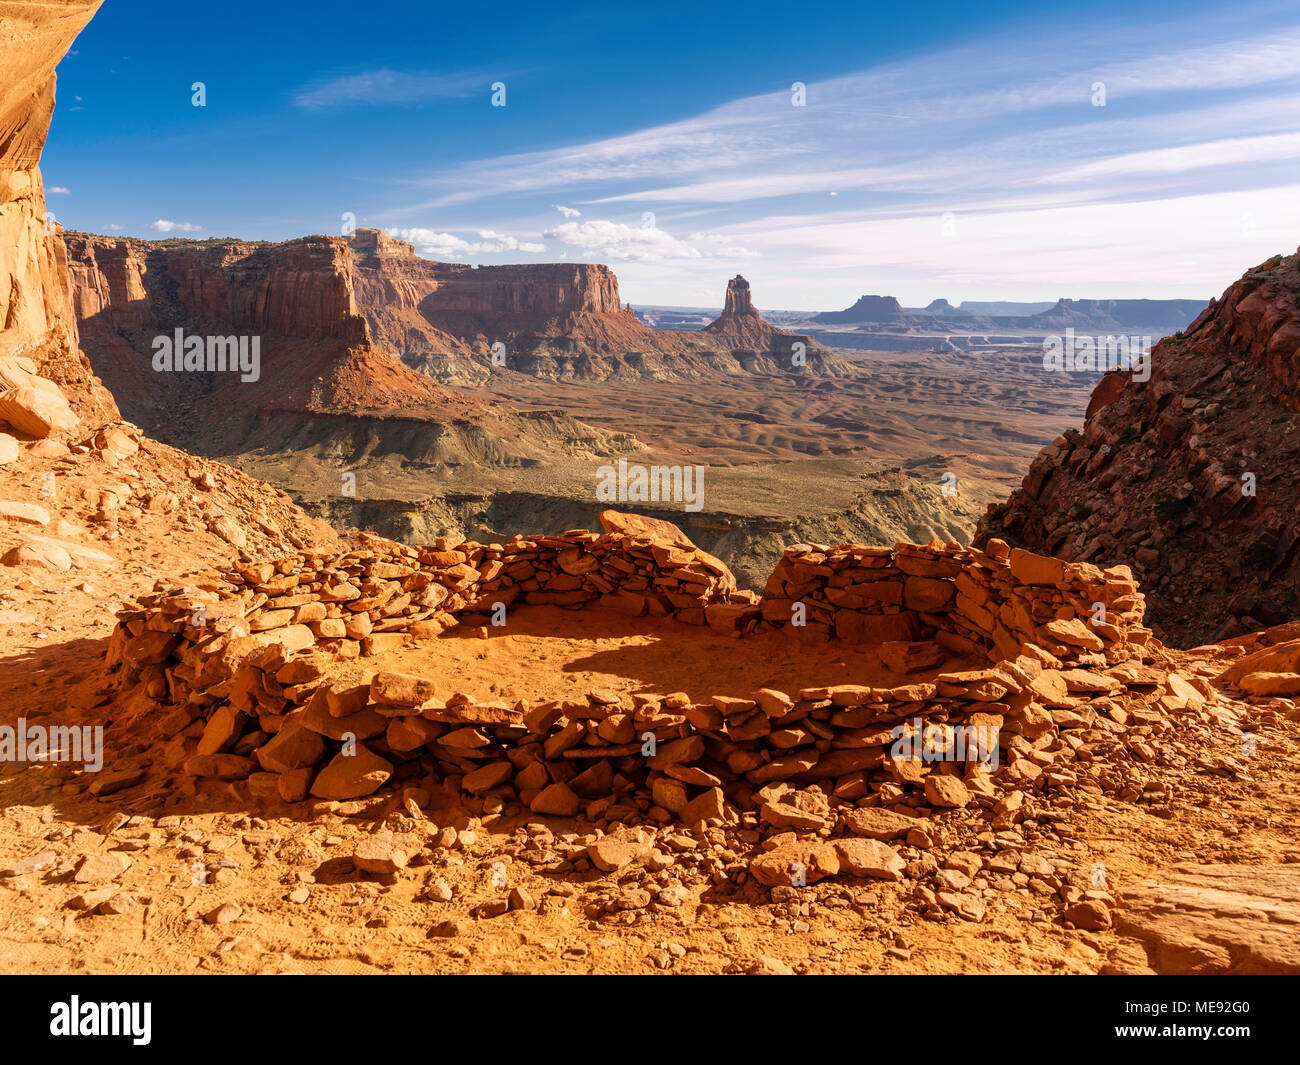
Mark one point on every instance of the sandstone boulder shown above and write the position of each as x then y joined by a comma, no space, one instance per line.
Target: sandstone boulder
352,776
1238,919
788,863
36,412
23,513
869,858
1284,685
42,555
875,822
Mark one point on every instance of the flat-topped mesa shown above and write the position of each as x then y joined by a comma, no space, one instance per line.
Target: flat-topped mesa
260,662
560,320
463,298
866,309
323,377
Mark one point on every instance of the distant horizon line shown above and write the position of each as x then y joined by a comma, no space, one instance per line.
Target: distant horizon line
632,303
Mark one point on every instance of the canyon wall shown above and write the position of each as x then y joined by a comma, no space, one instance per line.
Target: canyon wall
301,288
35,318
389,271
323,385
1192,476
454,322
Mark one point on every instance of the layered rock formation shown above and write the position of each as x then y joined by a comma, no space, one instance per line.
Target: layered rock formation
738,302
743,329
322,384
556,320
453,322
91,491
1191,476
866,309
1157,316
35,321
239,683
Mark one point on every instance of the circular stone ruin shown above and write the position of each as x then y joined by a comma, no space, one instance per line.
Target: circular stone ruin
926,676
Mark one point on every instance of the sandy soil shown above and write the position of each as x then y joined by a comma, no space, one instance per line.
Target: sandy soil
548,653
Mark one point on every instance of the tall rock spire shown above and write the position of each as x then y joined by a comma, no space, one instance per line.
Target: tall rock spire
738,301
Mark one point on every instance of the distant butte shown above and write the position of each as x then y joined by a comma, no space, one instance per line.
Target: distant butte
454,322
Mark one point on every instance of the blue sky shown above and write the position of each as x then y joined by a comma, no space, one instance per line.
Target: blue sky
953,150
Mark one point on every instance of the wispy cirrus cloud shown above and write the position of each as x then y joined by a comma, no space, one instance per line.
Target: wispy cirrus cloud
379,87
1113,161
885,129
433,244
1231,151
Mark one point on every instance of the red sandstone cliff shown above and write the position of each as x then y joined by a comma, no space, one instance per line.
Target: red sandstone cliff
323,383
554,319
119,495
35,319
1193,476
562,320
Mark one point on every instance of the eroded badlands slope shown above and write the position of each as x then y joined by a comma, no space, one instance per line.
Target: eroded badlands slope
1192,477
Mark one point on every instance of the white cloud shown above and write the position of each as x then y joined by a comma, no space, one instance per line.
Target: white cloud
60,190
718,246
1041,251
988,117
112,225
1148,195
386,87
1233,151
438,245
645,243
623,243
164,226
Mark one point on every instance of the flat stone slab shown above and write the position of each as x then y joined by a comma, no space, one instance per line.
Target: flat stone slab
1240,919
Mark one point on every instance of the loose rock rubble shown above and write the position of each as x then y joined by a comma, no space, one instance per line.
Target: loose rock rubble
956,788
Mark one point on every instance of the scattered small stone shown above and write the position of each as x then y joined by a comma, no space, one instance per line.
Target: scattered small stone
33,864
449,929
224,914
1089,915
440,891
